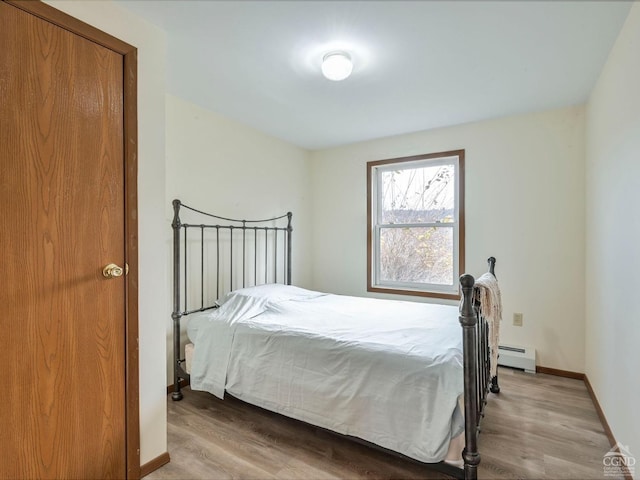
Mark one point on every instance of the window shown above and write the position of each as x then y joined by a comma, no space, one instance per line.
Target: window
416,224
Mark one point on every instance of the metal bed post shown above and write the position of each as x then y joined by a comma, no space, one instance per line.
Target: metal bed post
266,254
201,266
176,225
492,265
495,388
275,255
289,231
217,262
255,255
468,320
244,250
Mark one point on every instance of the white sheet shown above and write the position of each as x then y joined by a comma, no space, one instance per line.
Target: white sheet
385,371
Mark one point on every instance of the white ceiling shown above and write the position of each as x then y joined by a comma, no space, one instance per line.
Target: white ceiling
418,64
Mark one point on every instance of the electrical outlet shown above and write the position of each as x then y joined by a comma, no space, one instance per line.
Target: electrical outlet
517,319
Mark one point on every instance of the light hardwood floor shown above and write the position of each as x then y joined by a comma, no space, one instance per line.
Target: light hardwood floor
539,427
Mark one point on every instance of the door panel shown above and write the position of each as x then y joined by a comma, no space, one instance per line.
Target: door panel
62,197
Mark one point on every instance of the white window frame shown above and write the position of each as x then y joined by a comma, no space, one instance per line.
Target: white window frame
375,225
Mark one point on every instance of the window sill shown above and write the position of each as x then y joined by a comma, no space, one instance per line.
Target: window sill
415,293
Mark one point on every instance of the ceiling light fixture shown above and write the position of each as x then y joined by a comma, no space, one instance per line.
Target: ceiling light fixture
337,65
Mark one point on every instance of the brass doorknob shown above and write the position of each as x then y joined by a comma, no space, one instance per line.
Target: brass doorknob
112,271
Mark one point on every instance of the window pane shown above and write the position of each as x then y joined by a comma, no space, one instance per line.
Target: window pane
417,255
418,195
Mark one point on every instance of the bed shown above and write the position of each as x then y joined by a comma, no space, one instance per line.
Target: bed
397,375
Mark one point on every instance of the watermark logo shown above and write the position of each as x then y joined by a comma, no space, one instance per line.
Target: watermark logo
618,461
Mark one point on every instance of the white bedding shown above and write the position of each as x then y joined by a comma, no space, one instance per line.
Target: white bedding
386,371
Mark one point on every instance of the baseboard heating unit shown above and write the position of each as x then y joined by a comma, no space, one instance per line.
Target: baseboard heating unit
515,356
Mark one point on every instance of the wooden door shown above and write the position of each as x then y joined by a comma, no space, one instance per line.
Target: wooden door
62,194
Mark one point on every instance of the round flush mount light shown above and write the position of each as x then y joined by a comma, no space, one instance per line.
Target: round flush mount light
337,65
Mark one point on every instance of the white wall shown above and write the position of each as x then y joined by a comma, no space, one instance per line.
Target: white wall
524,205
150,42
613,236
221,166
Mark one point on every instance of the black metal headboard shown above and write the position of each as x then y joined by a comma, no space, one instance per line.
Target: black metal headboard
225,255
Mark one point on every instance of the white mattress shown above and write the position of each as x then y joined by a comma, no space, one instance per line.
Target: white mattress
385,371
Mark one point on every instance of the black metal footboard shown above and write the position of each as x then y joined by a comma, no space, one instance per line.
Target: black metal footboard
477,371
